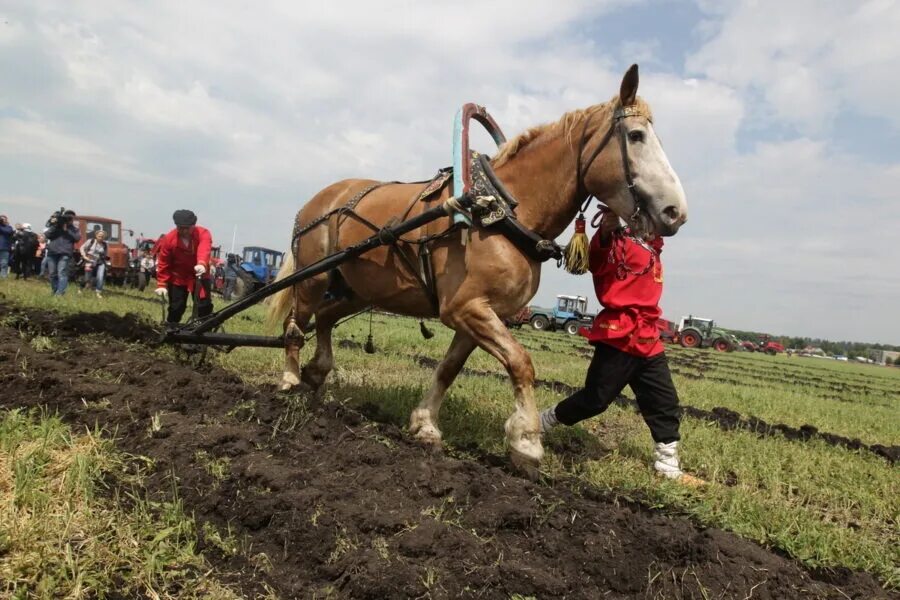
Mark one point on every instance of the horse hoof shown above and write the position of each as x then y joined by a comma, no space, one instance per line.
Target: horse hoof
428,435
526,465
311,382
295,388
288,381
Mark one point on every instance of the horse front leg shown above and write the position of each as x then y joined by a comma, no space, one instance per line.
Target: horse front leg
423,420
483,325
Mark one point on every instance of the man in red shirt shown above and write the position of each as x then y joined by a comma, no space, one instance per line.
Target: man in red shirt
182,262
628,277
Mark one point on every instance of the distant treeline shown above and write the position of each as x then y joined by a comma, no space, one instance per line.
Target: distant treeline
827,346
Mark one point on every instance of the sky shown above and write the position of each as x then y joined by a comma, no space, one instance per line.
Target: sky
782,120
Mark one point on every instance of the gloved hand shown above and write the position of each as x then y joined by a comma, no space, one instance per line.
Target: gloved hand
199,270
162,293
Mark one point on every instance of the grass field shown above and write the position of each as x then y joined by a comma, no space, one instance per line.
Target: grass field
61,536
821,503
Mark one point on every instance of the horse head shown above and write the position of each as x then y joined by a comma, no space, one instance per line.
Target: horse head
627,168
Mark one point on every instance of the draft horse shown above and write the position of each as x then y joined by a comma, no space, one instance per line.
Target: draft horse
609,151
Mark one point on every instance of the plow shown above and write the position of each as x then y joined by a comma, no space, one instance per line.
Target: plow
201,331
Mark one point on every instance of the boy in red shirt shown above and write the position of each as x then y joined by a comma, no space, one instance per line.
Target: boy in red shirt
182,261
628,279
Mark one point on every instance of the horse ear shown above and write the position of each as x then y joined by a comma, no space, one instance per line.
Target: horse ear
629,87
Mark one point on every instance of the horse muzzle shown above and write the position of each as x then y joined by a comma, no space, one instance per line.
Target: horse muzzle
670,221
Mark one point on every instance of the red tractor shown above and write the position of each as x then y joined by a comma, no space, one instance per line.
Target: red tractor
520,318
118,251
668,332
767,346
217,268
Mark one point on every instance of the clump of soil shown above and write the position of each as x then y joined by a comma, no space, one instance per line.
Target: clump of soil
322,498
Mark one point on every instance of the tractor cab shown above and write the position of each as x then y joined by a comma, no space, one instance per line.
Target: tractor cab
570,306
704,326
262,263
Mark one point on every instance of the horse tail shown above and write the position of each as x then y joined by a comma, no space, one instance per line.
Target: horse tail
280,304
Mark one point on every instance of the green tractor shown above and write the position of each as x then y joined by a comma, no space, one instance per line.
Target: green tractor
694,332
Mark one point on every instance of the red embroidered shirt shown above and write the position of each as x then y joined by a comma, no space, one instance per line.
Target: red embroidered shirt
628,278
175,261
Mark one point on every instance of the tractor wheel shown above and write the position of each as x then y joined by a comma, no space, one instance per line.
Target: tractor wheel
722,345
771,351
540,323
690,339
572,327
243,285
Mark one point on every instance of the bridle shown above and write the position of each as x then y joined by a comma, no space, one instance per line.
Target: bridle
616,126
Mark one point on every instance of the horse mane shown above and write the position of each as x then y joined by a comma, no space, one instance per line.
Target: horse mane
567,125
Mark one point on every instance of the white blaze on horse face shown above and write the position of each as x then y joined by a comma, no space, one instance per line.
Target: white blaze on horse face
655,179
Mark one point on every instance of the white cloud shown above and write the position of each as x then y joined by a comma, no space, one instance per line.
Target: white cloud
786,232
21,137
25,201
809,60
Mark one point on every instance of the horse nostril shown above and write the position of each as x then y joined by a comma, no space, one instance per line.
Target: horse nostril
672,213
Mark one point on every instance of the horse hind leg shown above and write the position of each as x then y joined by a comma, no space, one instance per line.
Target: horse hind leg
293,343
423,420
307,296
322,361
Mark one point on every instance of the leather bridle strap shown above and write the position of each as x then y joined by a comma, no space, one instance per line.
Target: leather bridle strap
619,114
629,178
579,178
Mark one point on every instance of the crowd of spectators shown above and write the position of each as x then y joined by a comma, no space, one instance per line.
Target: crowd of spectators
22,251
54,253
180,260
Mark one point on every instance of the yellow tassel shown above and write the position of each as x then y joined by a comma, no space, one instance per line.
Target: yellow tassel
576,256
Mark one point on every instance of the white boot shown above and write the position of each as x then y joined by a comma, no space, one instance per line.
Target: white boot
548,419
667,463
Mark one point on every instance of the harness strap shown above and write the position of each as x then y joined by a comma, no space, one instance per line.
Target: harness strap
423,274
531,244
497,206
347,209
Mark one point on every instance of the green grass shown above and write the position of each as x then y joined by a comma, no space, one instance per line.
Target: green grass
825,505
63,534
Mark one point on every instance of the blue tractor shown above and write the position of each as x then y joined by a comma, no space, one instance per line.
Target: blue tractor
569,314
257,267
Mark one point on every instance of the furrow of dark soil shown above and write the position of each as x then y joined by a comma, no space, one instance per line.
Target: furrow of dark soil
323,499
809,382
754,384
872,382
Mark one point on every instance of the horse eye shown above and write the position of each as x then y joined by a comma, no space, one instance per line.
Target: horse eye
636,136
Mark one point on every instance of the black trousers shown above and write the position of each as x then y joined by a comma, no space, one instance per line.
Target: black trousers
178,297
650,380
22,264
